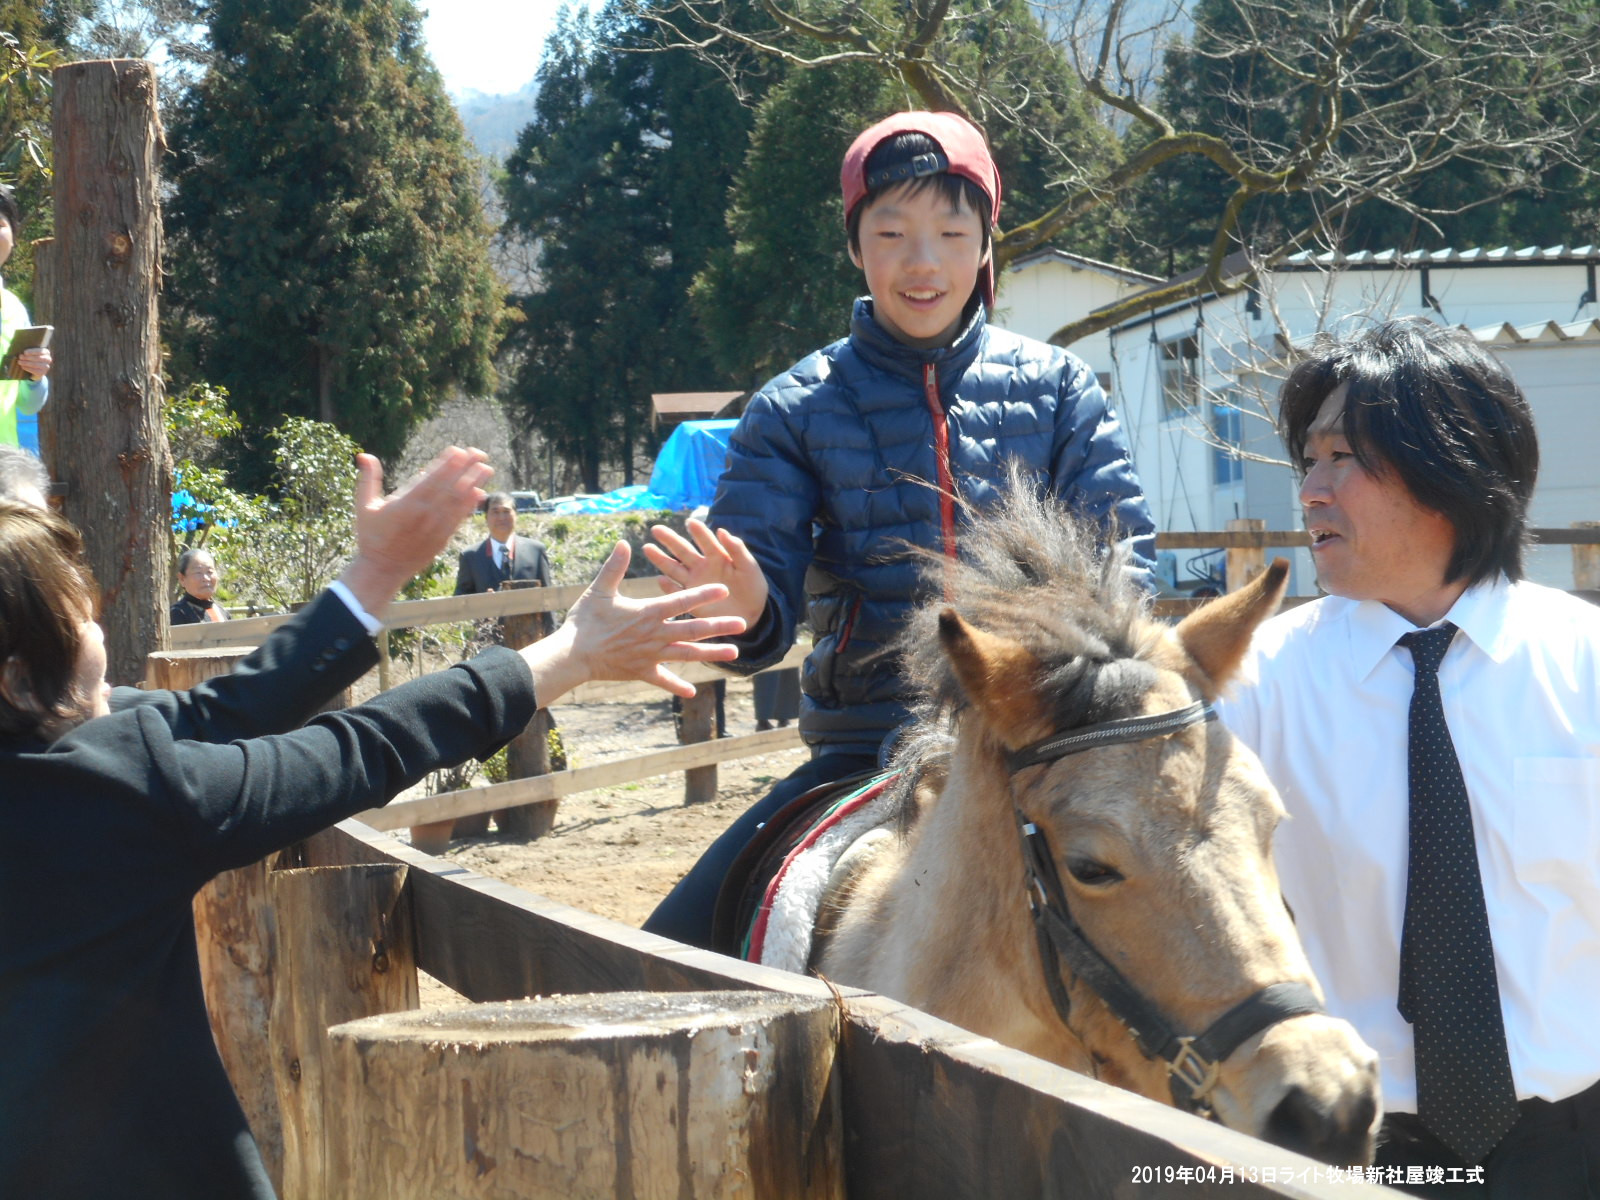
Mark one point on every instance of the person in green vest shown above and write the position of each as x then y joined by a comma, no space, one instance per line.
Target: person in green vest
19,398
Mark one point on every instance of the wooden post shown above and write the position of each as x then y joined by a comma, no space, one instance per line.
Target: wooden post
711,1095
1586,562
529,752
697,723
346,949
1245,565
105,388
384,665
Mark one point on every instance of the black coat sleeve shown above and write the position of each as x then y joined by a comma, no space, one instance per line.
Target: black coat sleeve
234,803
303,664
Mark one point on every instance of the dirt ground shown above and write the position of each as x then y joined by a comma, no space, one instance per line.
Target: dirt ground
618,851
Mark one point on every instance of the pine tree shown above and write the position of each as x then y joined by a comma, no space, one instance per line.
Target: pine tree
621,179
328,256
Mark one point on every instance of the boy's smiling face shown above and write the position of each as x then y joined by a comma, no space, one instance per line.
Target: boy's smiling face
921,258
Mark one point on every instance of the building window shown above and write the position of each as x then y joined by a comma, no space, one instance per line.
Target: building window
1180,376
1227,435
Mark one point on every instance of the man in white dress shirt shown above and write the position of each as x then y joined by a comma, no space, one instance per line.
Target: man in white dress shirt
1418,458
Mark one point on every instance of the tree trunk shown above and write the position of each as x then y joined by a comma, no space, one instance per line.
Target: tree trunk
706,1094
108,444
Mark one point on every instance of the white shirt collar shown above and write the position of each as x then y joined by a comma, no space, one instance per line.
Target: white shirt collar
1482,612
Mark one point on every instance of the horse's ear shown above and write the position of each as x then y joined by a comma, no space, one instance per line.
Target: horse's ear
1217,634
996,674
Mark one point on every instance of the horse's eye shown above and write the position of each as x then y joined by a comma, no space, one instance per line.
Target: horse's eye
1093,874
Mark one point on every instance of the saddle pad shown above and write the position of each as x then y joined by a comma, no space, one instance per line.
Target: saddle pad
780,935
744,884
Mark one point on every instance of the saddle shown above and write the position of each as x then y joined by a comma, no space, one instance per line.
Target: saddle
745,899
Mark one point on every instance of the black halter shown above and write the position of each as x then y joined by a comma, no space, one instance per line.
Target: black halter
1194,1063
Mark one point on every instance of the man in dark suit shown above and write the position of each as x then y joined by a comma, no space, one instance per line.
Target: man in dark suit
504,554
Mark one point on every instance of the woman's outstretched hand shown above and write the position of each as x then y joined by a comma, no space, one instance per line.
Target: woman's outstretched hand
607,636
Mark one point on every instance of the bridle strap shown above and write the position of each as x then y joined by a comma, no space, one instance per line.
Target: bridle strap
1109,733
1194,1063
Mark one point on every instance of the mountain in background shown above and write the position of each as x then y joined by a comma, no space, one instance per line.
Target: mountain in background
493,122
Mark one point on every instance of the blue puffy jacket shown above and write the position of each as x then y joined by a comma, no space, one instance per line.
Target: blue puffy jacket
828,477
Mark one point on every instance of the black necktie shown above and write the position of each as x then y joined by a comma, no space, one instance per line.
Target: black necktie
1448,989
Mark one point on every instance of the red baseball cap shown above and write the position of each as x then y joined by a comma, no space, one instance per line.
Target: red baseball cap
962,151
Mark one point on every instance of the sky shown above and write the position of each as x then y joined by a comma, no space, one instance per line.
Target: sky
488,45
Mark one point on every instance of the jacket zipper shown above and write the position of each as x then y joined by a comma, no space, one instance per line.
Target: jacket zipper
848,629
941,453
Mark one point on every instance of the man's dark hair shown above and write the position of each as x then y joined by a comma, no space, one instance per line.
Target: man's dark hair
1432,406
19,469
10,211
494,498
956,190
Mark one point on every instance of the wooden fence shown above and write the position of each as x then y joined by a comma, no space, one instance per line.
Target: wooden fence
1246,542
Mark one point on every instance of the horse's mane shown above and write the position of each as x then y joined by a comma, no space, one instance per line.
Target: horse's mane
1037,574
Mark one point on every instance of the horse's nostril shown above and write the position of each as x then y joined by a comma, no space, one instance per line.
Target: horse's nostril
1302,1124
1298,1123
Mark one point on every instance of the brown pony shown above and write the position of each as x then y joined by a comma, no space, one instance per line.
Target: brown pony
1106,901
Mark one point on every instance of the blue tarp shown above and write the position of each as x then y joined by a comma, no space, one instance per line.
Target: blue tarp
684,478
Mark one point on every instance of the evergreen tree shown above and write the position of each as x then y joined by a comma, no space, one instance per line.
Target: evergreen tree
622,179
32,36
327,252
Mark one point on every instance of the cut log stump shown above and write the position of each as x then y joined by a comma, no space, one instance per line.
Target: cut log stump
704,1094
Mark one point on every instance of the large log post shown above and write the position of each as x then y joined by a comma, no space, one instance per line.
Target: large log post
705,1094
346,949
107,442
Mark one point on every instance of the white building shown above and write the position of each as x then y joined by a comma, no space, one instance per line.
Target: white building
1043,291
1196,382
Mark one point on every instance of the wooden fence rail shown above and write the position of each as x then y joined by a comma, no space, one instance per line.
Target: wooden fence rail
411,614
1246,549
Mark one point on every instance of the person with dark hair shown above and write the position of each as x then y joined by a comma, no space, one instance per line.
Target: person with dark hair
23,477
198,576
863,450
1433,725
118,805
504,554
23,396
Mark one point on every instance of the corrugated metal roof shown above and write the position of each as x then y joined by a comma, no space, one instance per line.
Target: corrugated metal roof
1546,331
1429,258
1248,357
1237,264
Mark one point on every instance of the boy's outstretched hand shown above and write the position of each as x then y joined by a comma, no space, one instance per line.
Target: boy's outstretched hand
607,636
714,556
